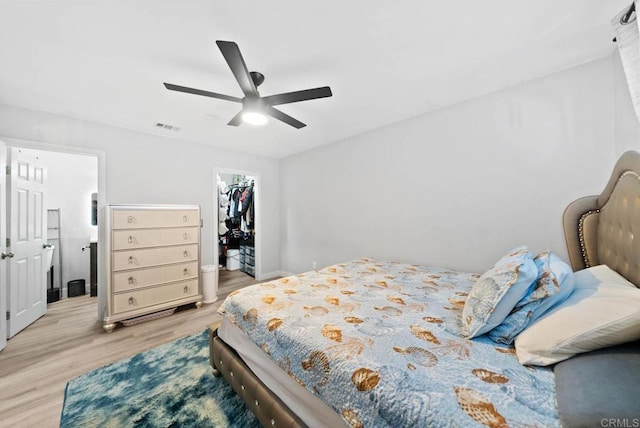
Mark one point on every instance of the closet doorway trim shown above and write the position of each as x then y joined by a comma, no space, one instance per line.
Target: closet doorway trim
257,195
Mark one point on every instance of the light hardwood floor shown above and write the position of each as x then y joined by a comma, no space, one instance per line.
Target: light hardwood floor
68,341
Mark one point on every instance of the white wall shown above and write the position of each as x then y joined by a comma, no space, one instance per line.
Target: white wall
70,181
457,187
148,169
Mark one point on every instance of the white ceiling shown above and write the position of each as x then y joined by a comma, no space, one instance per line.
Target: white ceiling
385,61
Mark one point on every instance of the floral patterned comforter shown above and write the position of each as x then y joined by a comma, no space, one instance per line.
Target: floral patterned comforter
380,343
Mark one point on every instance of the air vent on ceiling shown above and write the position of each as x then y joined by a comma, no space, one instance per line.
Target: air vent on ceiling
168,127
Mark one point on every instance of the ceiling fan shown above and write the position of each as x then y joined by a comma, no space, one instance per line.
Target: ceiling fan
254,106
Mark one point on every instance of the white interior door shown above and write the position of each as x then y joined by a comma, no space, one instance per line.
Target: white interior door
3,246
27,230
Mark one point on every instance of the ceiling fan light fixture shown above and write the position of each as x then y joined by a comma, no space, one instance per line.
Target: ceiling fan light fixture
255,118
255,108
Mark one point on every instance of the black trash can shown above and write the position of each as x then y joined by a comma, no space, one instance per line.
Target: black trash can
53,294
76,288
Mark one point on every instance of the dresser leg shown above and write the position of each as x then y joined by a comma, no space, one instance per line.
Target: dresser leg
108,327
198,305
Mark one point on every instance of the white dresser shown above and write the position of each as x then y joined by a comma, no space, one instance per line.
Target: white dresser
153,261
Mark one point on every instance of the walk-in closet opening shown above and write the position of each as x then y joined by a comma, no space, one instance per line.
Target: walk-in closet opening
237,230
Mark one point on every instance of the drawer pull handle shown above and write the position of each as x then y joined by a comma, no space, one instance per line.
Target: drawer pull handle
130,260
132,301
185,236
131,280
130,239
184,218
185,253
186,289
185,271
130,219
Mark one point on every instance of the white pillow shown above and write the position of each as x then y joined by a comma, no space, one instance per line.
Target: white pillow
603,310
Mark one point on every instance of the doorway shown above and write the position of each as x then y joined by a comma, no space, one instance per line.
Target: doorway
71,227
237,208
67,210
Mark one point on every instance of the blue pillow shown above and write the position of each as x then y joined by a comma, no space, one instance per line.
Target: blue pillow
554,284
497,291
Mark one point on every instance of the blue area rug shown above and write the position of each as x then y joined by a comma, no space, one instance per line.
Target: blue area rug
168,386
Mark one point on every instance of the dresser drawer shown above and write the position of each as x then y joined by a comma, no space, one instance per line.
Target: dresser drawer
133,259
130,280
142,219
133,300
125,239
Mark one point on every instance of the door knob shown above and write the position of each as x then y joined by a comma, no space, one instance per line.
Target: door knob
6,255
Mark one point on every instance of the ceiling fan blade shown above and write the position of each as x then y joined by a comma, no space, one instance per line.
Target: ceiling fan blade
237,119
271,111
296,96
179,88
232,55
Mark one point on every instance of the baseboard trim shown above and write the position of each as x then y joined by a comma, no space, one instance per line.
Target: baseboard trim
275,274
285,273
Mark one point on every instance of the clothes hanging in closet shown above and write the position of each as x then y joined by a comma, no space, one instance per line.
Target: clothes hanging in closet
240,214
247,210
237,216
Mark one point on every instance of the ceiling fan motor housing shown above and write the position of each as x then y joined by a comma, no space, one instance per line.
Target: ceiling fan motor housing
257,77
253,104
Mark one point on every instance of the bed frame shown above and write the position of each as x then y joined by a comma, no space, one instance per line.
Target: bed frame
268,408
598,230
602,229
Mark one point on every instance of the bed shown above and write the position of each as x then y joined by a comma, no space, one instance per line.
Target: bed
378,343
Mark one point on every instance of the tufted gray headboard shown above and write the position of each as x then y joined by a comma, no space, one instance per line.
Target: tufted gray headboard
605,229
